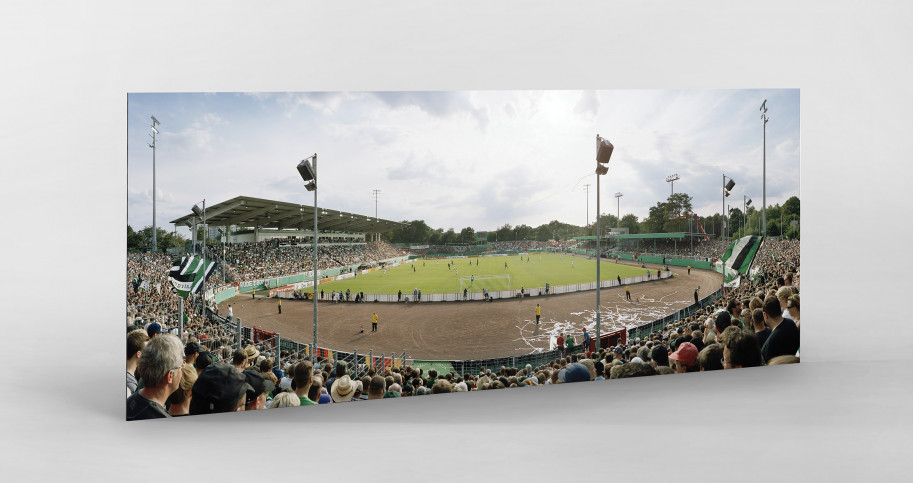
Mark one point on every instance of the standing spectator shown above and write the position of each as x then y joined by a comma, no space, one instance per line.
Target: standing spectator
260,388
538,313
303,377
761,330
784,335
280,304
740,349
685,358
285,400
220,388
191,352
710,358
374,322
154,329
343,389
792,305
158,368
376,388
229,315
586,340
136,340
179,401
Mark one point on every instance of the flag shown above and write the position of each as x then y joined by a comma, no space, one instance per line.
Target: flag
144,285
186,275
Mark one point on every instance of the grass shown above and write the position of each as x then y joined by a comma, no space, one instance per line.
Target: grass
433,276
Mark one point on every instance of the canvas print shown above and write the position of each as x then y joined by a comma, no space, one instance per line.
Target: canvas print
309,248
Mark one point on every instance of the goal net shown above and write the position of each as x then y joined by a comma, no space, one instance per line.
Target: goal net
491,283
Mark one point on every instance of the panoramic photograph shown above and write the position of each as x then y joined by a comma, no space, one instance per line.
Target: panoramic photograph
308,248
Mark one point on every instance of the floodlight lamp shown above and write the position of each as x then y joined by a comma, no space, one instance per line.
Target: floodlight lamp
727,194
748,203
155,130
189,224
604,150
196,210
730,184
155,121
601,169
306,170
311,186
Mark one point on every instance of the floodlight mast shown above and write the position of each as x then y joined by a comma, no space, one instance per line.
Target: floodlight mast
155,122
764,118
604,150
308,172
671,179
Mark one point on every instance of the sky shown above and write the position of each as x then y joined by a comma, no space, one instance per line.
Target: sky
461,158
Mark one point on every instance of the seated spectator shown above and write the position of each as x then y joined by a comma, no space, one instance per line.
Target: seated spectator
158,367
220,388
179,401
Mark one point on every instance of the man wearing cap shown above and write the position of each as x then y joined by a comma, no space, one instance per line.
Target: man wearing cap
153,329
685,358
159,366
659,356
260,388
576,372
303,377
220,388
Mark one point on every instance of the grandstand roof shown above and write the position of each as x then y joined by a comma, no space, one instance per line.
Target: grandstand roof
678,236
247,211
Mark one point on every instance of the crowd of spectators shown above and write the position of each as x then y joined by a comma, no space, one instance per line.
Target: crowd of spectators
754,324
254,261
701,249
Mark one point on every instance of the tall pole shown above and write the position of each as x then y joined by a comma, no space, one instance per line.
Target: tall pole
764,118
314,158
671,179
155,122
586,188
376,193
205,229
618,213
598,264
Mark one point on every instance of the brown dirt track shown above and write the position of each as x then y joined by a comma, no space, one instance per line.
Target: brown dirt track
472,330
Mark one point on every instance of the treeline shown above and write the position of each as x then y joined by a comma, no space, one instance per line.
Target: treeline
141,241
667,216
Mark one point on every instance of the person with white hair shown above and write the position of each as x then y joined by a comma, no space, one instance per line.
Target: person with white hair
158,367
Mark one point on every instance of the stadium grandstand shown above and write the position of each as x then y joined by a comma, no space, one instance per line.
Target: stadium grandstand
730,328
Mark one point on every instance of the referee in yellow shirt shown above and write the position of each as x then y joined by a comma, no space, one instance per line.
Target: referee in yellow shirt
538,313
374,322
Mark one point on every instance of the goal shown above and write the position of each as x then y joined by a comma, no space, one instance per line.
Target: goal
489,282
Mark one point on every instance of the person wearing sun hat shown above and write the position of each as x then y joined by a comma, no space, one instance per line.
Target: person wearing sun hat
343,389
685,358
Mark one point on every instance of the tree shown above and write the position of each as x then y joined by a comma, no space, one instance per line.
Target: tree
504,233
629,221
468,235
449,236
791,207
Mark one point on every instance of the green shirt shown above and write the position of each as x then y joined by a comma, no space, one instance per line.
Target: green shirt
569,342
305,401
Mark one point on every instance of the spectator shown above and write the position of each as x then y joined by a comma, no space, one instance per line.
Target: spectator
260,388
239,360
685,358
191,352
441,386
710,358
792,305
631,369
343,389
761,330
178,402
285,399
660,356
154,329
740,349
376,389
158,365
779,360
220,388
136,340
576,372
784,335
303,378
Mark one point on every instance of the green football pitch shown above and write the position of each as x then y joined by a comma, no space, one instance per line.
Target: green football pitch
434,276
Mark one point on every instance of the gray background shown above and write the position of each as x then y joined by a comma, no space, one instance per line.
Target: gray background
841,415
